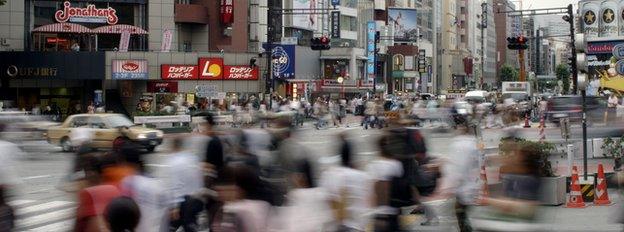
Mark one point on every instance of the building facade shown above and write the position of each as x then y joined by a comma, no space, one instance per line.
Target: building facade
140,53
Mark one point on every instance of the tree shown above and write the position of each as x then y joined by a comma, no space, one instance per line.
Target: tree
563,74
2,2
508,73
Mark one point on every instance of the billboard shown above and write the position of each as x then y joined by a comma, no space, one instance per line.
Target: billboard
305,21
590,12
283,61
604,63
403,23
210,68
608,19
129,70
179,72
240,72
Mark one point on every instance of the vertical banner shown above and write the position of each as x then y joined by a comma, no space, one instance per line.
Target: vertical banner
370,50
98,97
124,41
609,22
227,12
166,40
590,19
335,24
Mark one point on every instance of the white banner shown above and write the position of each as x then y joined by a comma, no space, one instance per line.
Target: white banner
166,40
124,41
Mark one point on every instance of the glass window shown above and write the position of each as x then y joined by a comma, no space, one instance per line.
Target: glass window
78,122
115,121
97,123
398,61
336,68
348,23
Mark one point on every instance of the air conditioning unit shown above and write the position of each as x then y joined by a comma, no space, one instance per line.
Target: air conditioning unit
4,42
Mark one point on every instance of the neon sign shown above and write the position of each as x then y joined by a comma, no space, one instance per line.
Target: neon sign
90,14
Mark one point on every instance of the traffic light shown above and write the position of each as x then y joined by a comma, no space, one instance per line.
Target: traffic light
517,43
320,43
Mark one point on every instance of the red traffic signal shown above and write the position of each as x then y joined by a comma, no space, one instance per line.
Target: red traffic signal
320,43
517,43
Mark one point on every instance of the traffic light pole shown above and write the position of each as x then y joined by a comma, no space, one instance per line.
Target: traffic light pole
522,68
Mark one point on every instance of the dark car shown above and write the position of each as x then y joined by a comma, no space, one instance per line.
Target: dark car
571,107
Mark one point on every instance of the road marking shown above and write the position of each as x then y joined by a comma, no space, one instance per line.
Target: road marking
313,142
40,190
158,165
44,206
17,203
36,177
51,216
58,226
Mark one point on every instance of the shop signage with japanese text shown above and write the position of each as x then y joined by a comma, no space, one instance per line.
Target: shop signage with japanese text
162,87
227,11
129,70
240,72
210,68
179,72
89,14
335,24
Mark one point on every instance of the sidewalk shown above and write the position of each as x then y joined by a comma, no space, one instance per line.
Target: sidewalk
550,218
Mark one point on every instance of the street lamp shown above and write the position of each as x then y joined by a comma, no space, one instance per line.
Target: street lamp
340,81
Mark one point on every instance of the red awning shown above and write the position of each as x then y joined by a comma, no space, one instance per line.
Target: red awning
118,28
63,27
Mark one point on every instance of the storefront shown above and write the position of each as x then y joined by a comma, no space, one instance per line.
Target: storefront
56,79
88,26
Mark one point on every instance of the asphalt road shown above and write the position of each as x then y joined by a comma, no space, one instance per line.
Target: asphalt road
42,206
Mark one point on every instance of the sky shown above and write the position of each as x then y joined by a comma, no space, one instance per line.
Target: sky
538,4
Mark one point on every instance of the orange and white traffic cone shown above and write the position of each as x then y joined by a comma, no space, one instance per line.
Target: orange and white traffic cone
575,199
602,196
526,121
484,189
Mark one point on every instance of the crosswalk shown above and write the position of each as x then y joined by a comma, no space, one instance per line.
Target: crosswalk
41,215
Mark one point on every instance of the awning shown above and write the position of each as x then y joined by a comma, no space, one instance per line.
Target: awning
63,27
118,29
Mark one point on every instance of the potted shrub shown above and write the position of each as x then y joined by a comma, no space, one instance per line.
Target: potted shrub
553,187
614,148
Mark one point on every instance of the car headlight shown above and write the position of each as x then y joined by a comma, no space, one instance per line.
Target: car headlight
159,134
141,136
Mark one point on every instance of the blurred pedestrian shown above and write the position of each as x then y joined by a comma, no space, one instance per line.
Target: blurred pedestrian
148,193
242,211
349,193
462,172
385,171
92,200
185,184
520,178
7,215
122,215
612,105
307,209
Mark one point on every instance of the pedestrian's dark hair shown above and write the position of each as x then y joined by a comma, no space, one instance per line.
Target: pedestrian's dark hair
177,143
122,214
209,118
247,180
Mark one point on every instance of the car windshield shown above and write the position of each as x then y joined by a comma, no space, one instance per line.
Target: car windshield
516,96
119,121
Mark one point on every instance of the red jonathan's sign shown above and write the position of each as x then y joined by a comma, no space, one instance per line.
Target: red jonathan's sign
240,72
162,87
227,12
179,72
210,68
89,14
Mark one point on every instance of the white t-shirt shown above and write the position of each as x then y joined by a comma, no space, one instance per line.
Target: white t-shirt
357,185
385,170
149,194
462,169
185,175
254,214
307,211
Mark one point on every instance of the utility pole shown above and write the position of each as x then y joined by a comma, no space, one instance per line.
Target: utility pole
538,44
570,19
